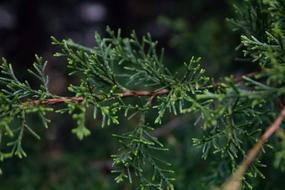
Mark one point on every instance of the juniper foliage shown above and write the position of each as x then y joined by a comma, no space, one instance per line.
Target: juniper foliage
232,112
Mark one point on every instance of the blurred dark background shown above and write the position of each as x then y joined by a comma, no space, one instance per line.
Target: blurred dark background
181,26
184,27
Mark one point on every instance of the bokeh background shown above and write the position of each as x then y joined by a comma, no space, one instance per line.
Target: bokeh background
184,28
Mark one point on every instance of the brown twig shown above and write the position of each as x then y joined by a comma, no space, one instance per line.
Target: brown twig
79,99
234,182
172,125
239,78
59,100
145,93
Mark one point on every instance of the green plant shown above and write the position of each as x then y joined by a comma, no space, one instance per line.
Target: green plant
232,112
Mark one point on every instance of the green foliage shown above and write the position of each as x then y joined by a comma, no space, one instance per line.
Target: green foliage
13,109
125,76
137,144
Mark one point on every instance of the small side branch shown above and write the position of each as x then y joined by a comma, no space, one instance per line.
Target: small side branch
239,78
145,93
171,126
234,182
58,100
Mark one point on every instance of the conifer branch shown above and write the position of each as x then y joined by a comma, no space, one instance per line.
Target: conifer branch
234,182
232,113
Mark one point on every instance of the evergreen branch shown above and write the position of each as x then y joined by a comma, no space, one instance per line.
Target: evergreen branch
232,114
127,93
234,182
137,156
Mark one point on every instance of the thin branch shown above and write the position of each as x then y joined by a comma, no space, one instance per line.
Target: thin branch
234,182
172,125
58,100
145,93
79,99
239,78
